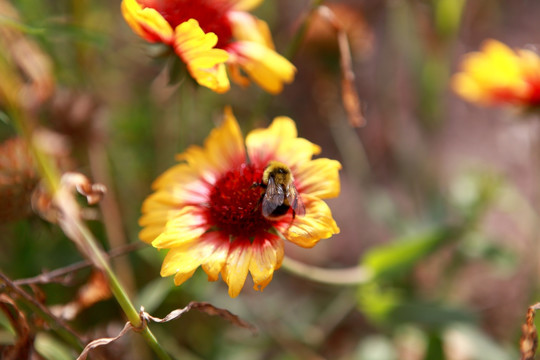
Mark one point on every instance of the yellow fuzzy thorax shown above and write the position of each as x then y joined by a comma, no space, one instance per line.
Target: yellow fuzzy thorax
280,172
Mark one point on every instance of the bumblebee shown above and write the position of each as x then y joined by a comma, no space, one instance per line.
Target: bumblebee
280,193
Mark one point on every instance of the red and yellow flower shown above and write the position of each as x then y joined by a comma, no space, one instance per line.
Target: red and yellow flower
499,75
206,210
209,34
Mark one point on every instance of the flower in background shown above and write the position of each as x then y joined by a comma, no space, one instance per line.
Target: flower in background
499,75
207,210
207,34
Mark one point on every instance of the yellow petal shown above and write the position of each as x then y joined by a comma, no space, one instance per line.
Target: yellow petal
265,259
223,150
156,203
179,193
225,145
296,152
150,233
244,4
494,74
497,56
213,78
204,62
178,174
214,263
147,22
201,164
529,62
280,253
319,177
155,220
468,88
183,260
237,76
159,215
236,268
315,225
187,258
180,278
247,27
184,228
262,144
279,142
156,214
263,65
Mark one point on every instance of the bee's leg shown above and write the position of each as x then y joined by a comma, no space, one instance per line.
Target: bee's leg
253,186
258,206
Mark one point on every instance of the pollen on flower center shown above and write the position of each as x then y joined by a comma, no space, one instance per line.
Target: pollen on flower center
211,15
234,203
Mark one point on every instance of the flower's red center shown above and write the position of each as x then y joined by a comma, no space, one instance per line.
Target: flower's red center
534,92
235,203
211,15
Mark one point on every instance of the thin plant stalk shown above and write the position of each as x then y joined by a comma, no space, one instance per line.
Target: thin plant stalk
295,43
355,275
78,231
265,99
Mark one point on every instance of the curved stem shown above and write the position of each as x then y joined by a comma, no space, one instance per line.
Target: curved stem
348,276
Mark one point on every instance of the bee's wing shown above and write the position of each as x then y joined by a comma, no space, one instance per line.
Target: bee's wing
296,201
273,197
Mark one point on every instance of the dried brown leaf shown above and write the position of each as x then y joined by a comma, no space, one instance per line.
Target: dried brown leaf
49,209
350,98
529,338
95,290
93,192
208,309
145,317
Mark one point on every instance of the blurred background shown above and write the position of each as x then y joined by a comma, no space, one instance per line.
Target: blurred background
440,198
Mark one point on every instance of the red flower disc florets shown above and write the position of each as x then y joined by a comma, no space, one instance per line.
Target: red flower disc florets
235,203
211,15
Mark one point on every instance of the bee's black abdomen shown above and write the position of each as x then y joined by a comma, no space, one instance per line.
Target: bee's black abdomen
280,210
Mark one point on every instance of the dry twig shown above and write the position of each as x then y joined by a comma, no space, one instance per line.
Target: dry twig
350,98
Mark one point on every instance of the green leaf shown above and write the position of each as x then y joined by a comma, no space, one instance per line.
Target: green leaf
428,314
389,306
377,303
400,255
435,350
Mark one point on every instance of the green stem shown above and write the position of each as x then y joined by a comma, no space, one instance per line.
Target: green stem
82,235
120,294
349,276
